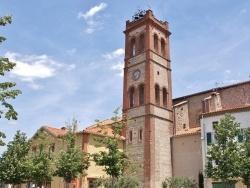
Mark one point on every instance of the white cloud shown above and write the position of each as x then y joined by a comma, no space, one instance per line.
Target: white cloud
89,14
243,11
93,23
31,67
116,58
228,72
71,51
119,53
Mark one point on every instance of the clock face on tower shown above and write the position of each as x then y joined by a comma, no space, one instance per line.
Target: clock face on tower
136,74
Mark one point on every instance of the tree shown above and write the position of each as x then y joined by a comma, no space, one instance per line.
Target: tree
13,163
114,160
2,135
5,92
124,181
179,182
223,156
245,158
72,162
41,160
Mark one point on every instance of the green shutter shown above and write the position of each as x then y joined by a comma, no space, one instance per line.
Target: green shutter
209,139
240,136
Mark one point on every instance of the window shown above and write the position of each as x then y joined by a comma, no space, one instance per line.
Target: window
211,138
132,96
140,135
130,136
157,94
215,124
51,150
133,47
222,185
155,42
141,94
33,149
240,136
142,43
163,47
165,97
91,182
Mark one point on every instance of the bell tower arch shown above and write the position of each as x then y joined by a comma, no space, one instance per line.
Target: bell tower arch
147,97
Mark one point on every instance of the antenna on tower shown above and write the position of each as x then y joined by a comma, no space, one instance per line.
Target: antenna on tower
139,14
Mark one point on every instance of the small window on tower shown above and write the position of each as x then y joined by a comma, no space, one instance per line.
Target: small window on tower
165,97
132,96
141,94
133,47
163,47
130,136
140,135
157,94
142,43
156,42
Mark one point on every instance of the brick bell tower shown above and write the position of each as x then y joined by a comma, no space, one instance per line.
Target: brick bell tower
147,97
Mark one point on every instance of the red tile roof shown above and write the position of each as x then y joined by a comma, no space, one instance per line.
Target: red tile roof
55,131
105,130
191,131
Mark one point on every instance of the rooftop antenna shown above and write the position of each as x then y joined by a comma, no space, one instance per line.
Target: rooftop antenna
139,14
216,86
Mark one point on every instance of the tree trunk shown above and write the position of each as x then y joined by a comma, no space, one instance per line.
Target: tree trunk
113,182
67,185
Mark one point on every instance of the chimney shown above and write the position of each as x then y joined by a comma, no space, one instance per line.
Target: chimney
215,102
75,126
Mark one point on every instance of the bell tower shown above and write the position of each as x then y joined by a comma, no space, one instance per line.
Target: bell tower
147,97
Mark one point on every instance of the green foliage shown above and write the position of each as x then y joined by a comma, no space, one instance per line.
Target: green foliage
2,135
179,182
114,160
124,181
73,161
5,92
245,158
13,163
225,152
40,161
164,184
201,180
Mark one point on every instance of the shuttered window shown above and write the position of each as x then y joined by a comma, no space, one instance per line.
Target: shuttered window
209,139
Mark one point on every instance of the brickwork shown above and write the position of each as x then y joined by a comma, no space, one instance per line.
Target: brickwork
136,32
130,80
153,117
181,118
137,59
136,147
161,112
162,155
230,96
160,75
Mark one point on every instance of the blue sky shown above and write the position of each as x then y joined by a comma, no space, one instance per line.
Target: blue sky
69,54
